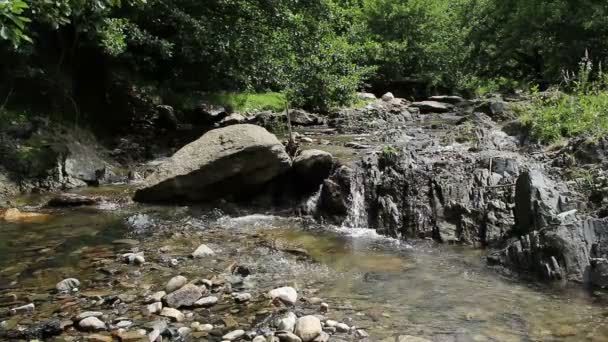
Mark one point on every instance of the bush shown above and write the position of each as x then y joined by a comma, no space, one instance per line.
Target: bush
555,114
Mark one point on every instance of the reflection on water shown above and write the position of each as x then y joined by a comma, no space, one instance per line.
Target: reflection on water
444,293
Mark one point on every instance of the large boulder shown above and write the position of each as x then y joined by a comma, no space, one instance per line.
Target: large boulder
301,117
230,161
312,167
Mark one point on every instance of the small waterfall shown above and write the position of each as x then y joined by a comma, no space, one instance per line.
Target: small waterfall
357,213
312,202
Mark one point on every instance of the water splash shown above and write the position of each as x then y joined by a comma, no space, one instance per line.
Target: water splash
357,213
313,201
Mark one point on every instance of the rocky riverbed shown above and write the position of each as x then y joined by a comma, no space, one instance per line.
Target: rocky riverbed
387,248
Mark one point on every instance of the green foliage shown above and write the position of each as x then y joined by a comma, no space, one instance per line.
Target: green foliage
13,21
248,102
583,111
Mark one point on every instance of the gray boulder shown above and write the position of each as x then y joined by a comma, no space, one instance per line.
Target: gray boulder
301,117
234,160
311,167
447,99
185,296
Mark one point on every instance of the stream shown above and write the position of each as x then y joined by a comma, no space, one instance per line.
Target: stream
385,286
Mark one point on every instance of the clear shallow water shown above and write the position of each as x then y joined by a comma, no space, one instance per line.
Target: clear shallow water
388,287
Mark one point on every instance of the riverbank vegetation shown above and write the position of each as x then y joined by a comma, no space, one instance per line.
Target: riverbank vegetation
82,57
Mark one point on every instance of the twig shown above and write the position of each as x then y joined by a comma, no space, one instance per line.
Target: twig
10,92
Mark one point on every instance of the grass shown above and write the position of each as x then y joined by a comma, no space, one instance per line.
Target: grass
238,102
556,115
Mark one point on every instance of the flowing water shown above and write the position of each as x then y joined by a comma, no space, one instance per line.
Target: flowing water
388,287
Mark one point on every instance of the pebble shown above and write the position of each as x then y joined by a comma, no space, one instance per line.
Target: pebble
287,322
156,297
286,336
341,327
242,297
259,339
132,336
360,333
153,308
196,326
202,251
87,314
23,310
173,314
124,324
324,307
184,331
206,301
287,295
92,323
134,258
176,283
68,285
187,295
308,328
234,335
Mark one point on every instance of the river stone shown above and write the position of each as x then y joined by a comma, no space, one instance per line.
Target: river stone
432,107
68,285
287,295
235,160
323,337
92,323
87,314
152,308
388,97
176,283
23,310
185,296
312,167
233,119
308,328
301,117
206,301
202,251
242,297
286,336
259,339
234,335
286,322
173,314
156,297
342,327
99,338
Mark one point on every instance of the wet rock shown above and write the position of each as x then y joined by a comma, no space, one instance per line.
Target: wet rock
287,295
185,296
173,314
184,331
236,160
259,339
92,324
308,328
202,251
158,328
197,326
166,117
234,335
176,283
495,108
286,336
357,146
134,258
68,285
286,322
15,215
335,193
447,99
324,308
207,301
207,114
72,200
426,107
312,167
299,117
152,308
388,97
124,324
242,297
232,119
23,310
